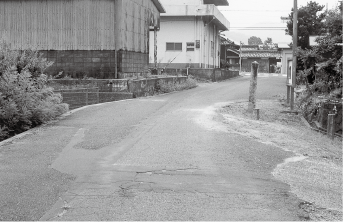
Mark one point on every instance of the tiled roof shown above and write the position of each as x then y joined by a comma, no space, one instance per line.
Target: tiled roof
260,53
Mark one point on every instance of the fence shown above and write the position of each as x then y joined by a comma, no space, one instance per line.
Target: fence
87,96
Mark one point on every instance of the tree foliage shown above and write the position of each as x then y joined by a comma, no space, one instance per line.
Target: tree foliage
310,22
268,44
253,40
324,62
25,99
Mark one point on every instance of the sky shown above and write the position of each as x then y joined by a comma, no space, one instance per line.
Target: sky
262,13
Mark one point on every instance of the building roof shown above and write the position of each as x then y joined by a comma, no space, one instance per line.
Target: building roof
249,47
217,2
159,6
260,53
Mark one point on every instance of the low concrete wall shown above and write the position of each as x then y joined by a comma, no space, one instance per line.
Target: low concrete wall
79,99
324,110
104,85
213,74
204,74
79,92
147,87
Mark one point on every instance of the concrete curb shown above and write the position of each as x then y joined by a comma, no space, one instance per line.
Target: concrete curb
32,130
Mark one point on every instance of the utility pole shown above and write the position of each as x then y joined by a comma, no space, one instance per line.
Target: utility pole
295,44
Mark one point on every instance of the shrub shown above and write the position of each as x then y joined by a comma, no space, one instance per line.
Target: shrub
25,100
166,87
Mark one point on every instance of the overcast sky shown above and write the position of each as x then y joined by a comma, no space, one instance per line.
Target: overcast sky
262,13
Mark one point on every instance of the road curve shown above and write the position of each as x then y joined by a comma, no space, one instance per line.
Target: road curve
169,157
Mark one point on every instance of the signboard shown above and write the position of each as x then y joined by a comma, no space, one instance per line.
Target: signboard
313,40
197,44
289,72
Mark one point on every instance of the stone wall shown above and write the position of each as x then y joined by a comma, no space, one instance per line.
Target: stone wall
326,109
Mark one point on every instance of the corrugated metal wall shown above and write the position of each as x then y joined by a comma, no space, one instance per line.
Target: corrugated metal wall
133,23
78,24
58,25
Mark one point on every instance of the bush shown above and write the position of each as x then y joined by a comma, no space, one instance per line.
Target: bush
25,100
166,87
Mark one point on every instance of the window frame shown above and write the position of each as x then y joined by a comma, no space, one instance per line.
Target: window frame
176,46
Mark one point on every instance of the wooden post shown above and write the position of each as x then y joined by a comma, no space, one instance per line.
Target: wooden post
97,95
331,126
86,96
253,84
288,94
257,113
155,48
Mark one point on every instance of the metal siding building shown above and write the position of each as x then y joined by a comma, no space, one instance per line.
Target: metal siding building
83,36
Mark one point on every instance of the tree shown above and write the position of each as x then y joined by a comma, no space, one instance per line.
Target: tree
268,41
253,40
324,62
309,23
268,44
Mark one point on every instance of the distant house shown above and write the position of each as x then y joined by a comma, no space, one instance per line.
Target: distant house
98,38
189,34
267,59
229,52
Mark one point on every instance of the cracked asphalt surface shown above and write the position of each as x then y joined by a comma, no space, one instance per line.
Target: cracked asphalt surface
167,157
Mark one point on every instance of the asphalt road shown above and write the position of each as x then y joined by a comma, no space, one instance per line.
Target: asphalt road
167,157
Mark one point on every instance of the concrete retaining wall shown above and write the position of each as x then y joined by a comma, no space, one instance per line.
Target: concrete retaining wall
79,92
79,99
204,74
104,85
147,87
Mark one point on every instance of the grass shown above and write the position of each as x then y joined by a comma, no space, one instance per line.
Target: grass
166,87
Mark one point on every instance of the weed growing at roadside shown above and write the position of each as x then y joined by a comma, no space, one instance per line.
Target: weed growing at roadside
166,87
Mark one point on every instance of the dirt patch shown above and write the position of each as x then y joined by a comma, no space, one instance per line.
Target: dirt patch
315,173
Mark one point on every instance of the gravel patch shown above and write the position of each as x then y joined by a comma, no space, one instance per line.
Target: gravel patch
314,174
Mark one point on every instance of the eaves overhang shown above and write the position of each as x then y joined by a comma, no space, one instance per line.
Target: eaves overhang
209,14
159,6
217,2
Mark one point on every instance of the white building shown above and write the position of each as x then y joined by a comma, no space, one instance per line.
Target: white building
189,34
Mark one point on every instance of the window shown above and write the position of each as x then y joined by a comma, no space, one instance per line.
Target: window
174,46
190,46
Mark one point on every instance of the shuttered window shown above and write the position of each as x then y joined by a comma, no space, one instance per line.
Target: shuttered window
174,46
